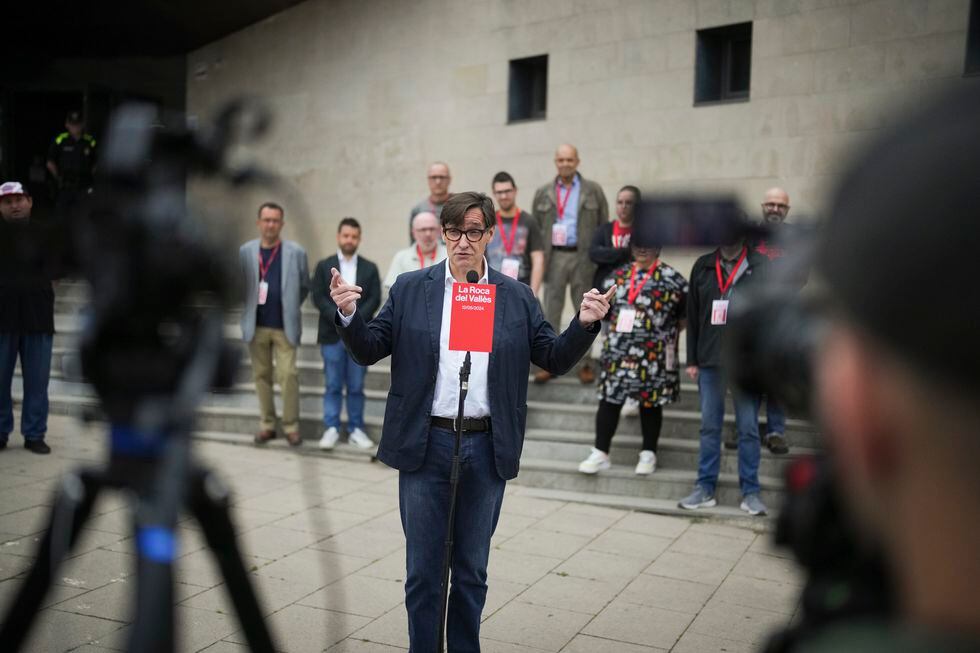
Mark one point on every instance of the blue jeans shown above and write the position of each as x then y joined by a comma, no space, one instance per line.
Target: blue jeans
34,350
423,499
339,369
775,416
711,387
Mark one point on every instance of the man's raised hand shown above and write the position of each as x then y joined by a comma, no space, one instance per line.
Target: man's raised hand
595,305
343,294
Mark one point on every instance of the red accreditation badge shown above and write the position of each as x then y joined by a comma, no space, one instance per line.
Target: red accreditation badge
471,317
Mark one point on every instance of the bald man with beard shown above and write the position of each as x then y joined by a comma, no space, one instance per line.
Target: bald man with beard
569,208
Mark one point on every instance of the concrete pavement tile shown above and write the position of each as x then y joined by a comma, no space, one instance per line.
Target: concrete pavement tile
709,545
388,487
667,593
546,543
364,540
320,521
195,630
390,629
363,503
534,625
627,543
691,642
493,646
25,522
55,593
96,568
360,646
575,523
285,501
764,545
321,567
639,624
589,644
189,540
12,565
686,566
511,524
737,622
605,567
227,647
571,593
114,601
518,567
758,593
390,521
62,631
274,594
358,595
90,648
11,480
657,525
21,498
201,568
245,485
245,519
390,567
274,543
499,593
733,532
529,506
118,521
594,511
766,567
359,470
300,628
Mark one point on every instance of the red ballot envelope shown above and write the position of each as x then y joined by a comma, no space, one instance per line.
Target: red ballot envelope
471,319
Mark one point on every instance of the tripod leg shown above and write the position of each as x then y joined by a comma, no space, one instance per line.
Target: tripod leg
71,509
209,505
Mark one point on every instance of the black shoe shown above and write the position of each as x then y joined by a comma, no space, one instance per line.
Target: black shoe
37,446
777,443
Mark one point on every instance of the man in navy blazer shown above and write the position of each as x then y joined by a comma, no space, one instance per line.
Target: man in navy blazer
417,437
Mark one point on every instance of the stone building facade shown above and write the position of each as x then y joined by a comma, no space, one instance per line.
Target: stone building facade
367,92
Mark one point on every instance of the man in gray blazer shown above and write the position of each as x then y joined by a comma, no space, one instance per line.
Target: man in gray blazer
277,281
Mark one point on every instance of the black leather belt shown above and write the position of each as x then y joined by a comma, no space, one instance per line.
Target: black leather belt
470,424
565,248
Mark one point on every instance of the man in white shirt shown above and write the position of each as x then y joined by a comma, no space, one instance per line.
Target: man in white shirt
426,251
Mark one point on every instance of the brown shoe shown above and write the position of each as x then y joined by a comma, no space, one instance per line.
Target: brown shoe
264,436
542,377
586,376
294,439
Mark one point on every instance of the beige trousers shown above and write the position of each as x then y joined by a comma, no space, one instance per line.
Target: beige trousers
566,269
268,344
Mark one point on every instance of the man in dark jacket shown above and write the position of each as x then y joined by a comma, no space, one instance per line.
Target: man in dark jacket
717,280
339,368
26,320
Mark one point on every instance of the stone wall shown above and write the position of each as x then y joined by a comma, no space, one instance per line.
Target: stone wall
367,92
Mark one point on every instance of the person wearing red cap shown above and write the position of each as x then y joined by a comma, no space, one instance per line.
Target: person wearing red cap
26,321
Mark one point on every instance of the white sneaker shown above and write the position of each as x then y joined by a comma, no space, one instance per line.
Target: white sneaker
648,462
329,439
631,408
597,461
359,439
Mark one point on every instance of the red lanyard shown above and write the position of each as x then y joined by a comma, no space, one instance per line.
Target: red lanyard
508,242
264,268
634,290
422,258
723,287
619,232
562,203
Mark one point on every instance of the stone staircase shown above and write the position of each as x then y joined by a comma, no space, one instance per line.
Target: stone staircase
560,426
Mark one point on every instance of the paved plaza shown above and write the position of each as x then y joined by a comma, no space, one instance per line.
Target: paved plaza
324,547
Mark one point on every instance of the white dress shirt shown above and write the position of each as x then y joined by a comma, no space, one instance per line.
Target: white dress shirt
445,401
348,267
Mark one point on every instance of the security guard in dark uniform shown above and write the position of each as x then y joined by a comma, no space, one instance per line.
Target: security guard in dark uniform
71,161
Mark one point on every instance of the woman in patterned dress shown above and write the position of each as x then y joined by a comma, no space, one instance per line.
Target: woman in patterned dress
639,358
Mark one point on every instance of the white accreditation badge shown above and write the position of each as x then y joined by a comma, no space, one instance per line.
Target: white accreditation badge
719,311
624,323
559,235
511,266
263,292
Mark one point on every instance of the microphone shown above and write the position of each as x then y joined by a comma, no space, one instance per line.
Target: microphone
472,276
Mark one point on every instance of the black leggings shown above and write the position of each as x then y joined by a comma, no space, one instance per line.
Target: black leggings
607,419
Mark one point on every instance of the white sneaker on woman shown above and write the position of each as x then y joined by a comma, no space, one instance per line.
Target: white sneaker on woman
648,462
597,461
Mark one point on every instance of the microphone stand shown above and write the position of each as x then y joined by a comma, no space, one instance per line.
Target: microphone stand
464,384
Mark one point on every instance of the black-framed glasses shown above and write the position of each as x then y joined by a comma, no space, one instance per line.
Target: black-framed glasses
472,235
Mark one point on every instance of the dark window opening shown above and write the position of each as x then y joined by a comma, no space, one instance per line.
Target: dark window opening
527,97
724,63
973,40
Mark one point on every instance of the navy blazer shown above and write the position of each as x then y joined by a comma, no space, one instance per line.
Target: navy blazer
408,329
